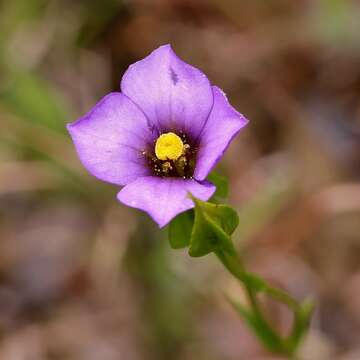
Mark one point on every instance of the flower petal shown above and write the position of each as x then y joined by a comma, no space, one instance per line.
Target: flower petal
164,198
110,140
174,95
223,124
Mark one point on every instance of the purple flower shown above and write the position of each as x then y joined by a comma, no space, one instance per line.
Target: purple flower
159,137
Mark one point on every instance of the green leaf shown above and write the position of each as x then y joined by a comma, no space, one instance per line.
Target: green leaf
222,186
212,228
224,216
180,230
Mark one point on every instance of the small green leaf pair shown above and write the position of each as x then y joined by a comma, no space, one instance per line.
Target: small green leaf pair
207,228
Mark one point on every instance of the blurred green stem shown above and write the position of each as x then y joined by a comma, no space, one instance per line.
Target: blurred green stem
252,285
234,265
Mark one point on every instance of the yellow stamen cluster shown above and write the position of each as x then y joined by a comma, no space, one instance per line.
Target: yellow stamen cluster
169,146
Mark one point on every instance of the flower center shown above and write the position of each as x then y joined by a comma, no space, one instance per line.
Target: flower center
169,146
172,156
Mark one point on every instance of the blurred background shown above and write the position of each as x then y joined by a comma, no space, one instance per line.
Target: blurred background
84,278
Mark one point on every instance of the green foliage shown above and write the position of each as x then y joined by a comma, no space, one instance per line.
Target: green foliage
180,230
222,186
213,226
218,221
208,229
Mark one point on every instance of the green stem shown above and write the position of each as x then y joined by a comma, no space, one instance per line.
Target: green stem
287,346
234,265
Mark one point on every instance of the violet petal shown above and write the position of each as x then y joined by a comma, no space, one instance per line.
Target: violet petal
164,198
223,124
174,95
110,139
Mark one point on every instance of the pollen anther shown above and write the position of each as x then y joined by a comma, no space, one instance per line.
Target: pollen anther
169,146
